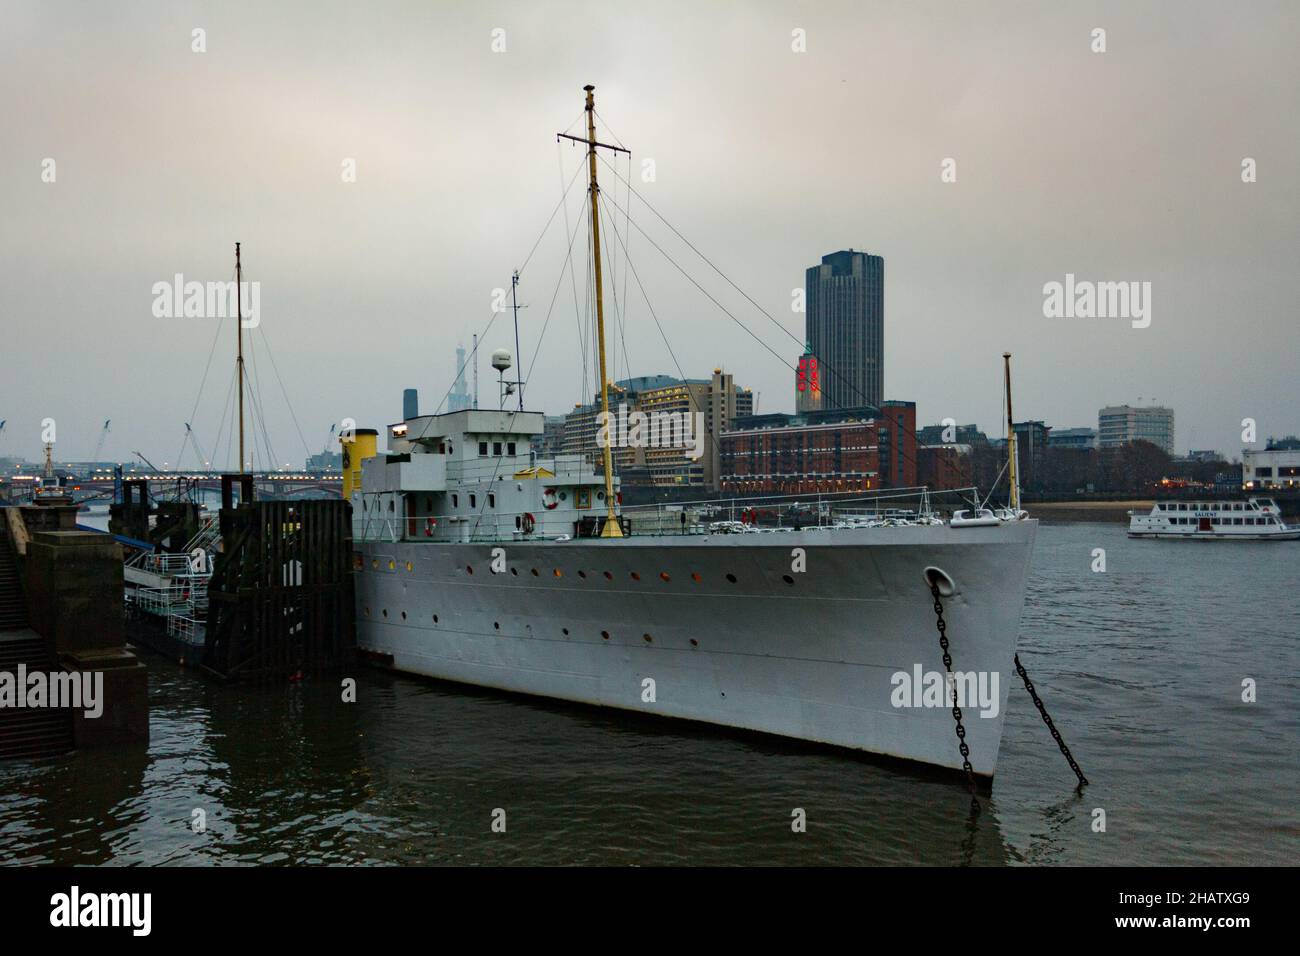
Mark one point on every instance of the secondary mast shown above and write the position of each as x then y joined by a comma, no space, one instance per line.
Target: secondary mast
239,355
1012,456
612,528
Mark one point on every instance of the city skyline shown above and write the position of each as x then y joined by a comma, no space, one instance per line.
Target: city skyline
368,285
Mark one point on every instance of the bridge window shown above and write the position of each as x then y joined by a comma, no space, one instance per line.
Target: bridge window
482,448
510,448
496,448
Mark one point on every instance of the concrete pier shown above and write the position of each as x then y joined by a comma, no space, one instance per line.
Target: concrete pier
71,591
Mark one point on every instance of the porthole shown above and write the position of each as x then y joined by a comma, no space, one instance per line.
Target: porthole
367,612
385,612
635,576
608,576
469,569
514,571
694,642
558,573
435,619
605,634
663,576
535,572
731,578
647,638
403,615
565,630
410,566
582,574
374,562
392,565
787,579
696,577
496,625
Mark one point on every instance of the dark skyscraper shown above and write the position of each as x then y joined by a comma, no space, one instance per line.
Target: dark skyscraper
846,327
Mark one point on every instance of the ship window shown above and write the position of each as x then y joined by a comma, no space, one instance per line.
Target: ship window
455,501
496,448
492,499
473,501
428,504
510,448
518,522
482,448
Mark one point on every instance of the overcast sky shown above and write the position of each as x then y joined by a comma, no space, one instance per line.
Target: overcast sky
1124,165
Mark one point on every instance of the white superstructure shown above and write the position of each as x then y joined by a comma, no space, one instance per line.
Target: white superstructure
1256,519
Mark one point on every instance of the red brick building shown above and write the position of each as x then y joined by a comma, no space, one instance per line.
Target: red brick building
848,450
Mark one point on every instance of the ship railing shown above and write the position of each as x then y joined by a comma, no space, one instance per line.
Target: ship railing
187,628
810,510
782,512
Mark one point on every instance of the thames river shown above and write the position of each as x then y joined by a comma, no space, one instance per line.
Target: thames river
1141,666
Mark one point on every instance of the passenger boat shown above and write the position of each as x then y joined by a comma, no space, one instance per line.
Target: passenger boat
1255,519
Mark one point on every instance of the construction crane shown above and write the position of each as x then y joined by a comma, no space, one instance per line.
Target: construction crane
140,455
99,445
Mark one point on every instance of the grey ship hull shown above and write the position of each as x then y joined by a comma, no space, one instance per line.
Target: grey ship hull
811,655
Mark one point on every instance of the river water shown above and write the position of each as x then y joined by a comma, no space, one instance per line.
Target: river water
1141,666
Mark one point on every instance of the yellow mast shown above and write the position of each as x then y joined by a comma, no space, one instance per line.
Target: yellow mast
1012,457
612,528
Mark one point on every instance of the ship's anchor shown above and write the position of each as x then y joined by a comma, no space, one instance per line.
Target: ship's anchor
940,586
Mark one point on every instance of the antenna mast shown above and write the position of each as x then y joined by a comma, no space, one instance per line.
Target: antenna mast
519,359
612,528
1012,455
239,359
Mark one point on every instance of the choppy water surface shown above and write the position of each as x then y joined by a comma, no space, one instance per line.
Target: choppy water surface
1141,666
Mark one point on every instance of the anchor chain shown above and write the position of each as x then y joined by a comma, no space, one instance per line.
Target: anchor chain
1047,719
956,710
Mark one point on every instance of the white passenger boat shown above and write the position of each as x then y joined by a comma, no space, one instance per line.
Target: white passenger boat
1256,519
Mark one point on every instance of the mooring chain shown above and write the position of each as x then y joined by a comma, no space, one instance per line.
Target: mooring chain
1047,719
956,709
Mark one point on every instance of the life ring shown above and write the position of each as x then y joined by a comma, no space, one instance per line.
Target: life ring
528,523
549,500
429,525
